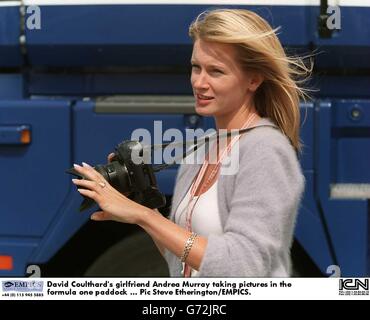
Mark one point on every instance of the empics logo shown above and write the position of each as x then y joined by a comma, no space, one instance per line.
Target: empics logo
354,287
22,286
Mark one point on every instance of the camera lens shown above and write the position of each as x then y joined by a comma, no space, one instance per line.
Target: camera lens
117,176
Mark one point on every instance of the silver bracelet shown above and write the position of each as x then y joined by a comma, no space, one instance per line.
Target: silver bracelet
189,243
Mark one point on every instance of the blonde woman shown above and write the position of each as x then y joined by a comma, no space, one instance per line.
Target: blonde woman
238,225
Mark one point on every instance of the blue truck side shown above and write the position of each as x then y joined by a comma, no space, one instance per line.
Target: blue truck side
76,87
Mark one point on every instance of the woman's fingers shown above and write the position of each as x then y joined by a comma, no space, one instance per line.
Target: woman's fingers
113,205
88,172
88,193
101,216
92,185
110,157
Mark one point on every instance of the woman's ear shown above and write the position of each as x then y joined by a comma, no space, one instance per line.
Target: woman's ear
255,81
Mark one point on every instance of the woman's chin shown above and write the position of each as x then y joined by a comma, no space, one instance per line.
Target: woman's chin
204,111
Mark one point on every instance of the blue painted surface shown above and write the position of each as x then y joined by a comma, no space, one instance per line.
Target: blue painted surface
20,249
130,34
337,159
10,55
309,228
157,34
67,221
109,84
354,21
351,141
342,85
346,219
351,114
36,185
11,86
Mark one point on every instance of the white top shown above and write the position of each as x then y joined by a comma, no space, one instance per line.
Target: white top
206,218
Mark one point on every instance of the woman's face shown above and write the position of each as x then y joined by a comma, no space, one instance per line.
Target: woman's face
220,86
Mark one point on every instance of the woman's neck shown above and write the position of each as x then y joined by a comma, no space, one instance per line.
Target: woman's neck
237,119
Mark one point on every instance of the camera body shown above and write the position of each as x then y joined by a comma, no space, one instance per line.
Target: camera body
130,175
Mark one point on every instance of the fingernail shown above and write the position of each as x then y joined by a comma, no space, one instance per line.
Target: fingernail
86,165
74,180
76,165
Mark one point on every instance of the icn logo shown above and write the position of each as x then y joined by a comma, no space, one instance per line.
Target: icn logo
354,287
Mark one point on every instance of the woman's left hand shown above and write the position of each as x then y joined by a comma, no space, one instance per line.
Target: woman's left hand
114,205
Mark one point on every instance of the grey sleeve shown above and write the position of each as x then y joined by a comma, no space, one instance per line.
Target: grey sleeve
259,228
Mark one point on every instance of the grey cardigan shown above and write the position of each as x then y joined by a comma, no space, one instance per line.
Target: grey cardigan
257,206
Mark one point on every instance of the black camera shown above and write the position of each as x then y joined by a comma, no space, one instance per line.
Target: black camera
130,175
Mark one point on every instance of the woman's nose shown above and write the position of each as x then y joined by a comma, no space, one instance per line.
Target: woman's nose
200,81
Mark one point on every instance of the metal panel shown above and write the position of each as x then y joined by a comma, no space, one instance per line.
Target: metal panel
309,229
146,104
346,220
11,86
34,184
351,141
20,250
99,84
10,52
136,35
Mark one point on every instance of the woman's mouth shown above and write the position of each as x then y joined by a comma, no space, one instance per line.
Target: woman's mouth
203,100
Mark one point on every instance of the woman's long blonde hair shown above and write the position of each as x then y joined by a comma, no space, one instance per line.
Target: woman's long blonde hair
260,51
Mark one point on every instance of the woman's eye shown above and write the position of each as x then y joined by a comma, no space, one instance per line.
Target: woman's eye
217,71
